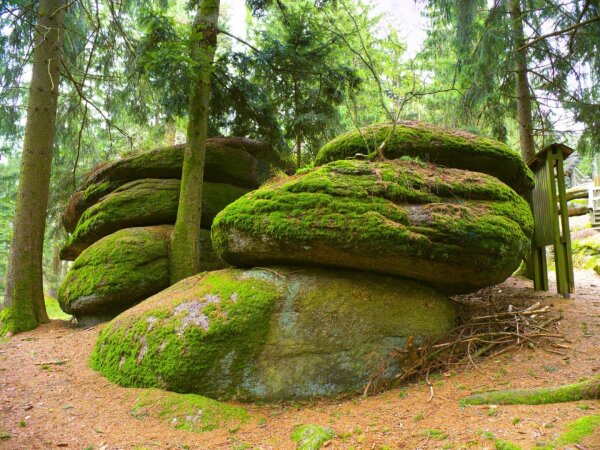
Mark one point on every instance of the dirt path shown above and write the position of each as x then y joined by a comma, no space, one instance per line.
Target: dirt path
71,406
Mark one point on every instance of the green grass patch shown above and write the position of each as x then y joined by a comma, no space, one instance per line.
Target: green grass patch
438,435
189,412
54,311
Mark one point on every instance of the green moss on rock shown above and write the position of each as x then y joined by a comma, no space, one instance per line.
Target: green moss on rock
238,161
143,203
455,229
441,146
197,336
228,160
117,271
121,270
270,334
586,253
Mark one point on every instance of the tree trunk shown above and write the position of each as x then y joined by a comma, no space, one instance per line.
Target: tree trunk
24,305
522,84
185,243
298,150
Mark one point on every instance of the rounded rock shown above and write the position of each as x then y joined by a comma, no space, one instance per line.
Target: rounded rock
271,334
430,143
453,229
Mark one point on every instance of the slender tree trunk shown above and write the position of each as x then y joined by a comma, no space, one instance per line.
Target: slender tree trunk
24,305
185,243
522,84
298,150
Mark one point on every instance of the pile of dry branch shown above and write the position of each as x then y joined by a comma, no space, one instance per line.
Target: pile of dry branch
487,334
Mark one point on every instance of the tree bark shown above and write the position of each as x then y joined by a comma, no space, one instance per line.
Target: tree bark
24,306
185,241
298,150
522,84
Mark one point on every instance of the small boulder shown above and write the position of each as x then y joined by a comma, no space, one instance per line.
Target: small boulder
272,334
586,252
121,270
437,145
143,203
454,229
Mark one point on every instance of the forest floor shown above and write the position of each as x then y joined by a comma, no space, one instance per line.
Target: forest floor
50,398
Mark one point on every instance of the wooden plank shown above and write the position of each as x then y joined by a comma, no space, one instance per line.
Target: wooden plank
564,221
562,283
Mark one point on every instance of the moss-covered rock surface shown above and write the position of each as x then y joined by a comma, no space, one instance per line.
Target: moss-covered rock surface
454,229
270,333
238,161
143,203
440,146
122,269
117,271
586,253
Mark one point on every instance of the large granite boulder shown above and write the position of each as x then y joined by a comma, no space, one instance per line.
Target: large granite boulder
143,203
453,229
238,161
123,269
270,333
433,144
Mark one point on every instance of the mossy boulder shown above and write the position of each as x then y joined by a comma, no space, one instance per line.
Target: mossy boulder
238,161
271,334
586,253
143,203
454,229
437,145
121,270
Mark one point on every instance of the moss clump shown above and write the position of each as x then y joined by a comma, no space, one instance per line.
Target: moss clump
189,412
197,336
579,429
584,390
143,203
16,319
311,437
117,271
456,229
441,146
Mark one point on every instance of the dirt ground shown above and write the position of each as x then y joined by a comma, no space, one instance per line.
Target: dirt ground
71,406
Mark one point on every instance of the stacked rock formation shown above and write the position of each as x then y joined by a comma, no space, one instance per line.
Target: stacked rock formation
338,268
121,222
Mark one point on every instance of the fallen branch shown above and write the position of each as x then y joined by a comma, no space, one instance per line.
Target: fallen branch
57,362
584,390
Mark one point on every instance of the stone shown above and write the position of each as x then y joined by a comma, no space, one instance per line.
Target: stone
453,229
441,146
123,269
143,203
238,161
271,333
586,252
